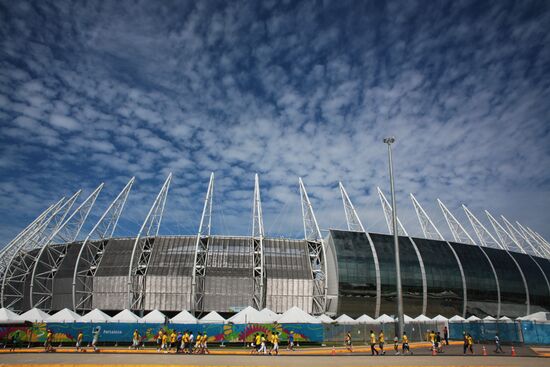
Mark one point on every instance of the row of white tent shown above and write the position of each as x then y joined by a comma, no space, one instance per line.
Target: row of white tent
249,315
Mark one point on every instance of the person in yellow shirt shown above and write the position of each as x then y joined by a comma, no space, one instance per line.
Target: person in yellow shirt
164,346
204,345
373,343
381,341
184,341
173,337
159,340
258,342
48,343
431,338
276,343
79,341
470,344
405,347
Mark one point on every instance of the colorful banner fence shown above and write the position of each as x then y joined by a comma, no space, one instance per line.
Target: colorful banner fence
123,332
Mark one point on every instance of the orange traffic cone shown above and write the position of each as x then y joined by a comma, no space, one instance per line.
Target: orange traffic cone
484,351
333,351
513,351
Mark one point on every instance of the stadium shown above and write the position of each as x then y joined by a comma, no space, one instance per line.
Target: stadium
504,271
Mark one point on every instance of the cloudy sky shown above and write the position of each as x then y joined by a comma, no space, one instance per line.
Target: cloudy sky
95,92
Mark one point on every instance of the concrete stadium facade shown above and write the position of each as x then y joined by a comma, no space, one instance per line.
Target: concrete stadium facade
346,271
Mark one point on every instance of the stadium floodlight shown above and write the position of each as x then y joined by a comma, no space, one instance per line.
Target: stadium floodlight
400,317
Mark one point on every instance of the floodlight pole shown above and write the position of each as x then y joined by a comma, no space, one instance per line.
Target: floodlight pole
400,318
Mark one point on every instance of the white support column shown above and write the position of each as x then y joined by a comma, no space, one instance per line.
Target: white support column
505,238
8,251
518,236
201,252
22,261
428,228
538,239
355,224
461,236
317,253
459,233
92,250
386,207
488,240
257,248
402,232
143,249
50,257
485,237
431,232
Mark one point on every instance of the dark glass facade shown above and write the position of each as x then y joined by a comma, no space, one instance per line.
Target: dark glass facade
443,278
539,294
513,298
356,273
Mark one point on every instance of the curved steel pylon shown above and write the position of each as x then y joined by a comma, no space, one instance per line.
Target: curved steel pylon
92,250
430,231
51,255
143,249
354,224
21,263
14,245
488,240
317,253
201,252
258,274
388,214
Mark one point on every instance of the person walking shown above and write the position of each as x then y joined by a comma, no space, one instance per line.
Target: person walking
470,344
262,345
347,341
396,344
135,339
276,343
373,343
291,340
173,339
190,343
498,347
204,344
464,342
179,337
405,348
431,338
381,341
159,340
95,339
48,343
446,335
79,338
438,344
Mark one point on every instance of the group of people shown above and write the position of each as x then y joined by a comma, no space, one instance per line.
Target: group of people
380,341
185,342
435,339
270,344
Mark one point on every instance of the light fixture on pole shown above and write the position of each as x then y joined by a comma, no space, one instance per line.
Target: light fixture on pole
400,318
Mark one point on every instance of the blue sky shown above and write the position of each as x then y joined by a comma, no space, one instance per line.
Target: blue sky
95,92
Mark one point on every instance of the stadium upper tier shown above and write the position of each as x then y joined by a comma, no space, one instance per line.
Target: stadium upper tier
49,266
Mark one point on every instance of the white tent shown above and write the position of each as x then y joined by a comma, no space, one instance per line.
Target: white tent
384,319
346,320
126,316
270,315
8,316
296,315
457,318
537,316
505,319
407,319
440,318
65,315
249,315
325,319
422,318
212,318
154,317
364,319
34,315
489,319
184,317
473,318
95,315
